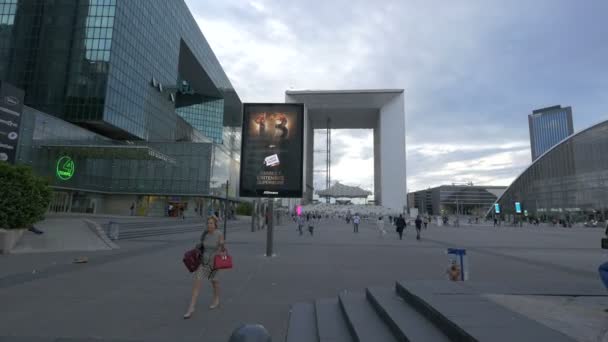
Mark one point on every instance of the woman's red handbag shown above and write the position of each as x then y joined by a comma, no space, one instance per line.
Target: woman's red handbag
222,262
192,259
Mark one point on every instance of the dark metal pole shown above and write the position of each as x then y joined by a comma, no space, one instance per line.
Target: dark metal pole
226,210
254,210
269,237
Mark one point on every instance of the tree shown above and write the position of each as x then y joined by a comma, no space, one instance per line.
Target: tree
24,197
244,208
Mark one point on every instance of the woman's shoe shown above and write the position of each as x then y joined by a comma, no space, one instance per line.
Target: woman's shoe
188,314
214,305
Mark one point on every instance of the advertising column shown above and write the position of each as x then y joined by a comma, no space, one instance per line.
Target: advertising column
11,107
272,155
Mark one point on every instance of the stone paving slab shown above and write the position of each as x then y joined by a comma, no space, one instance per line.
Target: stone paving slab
580,317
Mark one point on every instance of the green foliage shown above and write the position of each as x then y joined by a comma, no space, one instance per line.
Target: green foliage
244,208
24,197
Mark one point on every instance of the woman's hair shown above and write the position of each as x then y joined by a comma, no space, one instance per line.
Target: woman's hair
213,219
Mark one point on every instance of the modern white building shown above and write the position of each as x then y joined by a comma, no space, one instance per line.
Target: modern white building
381,110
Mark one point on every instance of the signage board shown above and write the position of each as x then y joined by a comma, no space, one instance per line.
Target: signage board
65,168
496,208
518,207
11,108
272,150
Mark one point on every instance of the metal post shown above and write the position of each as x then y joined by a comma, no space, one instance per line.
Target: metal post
254,214
269,237
457,214
226,210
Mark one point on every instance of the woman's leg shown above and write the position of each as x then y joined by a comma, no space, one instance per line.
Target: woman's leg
196,288
216,294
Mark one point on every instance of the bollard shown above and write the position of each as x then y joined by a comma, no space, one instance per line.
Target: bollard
250,333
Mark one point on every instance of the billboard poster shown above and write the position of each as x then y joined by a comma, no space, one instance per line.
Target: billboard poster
496,208
272,150
518,207
11,108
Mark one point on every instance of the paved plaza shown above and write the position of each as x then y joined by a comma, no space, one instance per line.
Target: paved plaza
140,291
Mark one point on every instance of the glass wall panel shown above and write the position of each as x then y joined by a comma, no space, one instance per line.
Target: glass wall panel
570,183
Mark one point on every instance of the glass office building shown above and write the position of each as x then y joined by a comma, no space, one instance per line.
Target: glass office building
131,93
548,126
569,182
455,199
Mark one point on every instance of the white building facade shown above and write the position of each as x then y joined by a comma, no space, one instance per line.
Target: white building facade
381,110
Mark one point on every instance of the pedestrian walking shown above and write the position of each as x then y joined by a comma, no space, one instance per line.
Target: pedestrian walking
418,223
380,225
400,223
356,221
426,222
300,222
495,222
132,208
211,244
310,220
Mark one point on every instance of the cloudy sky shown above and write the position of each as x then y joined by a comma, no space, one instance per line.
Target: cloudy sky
471,70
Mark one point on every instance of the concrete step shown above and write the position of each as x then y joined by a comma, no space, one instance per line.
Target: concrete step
138,233
363,322
331,325
405,322
455,332
302,326
156,232
153,224
468,316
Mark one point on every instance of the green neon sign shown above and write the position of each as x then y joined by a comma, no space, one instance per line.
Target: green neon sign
65,168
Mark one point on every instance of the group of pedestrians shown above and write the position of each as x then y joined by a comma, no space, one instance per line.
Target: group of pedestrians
399,222
308,220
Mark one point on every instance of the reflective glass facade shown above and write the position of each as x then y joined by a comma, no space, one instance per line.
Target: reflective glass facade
207,117
116,66
570,181
549,126
450,199
110,166
129,90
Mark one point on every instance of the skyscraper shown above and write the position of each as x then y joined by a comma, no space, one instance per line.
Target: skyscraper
549,126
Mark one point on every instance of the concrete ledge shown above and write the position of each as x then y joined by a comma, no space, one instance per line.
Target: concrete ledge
449,328
9,238
464,315
96,228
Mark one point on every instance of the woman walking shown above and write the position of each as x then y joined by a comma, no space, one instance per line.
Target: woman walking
418,223
300,222
400,223
380,224
310,219
212,244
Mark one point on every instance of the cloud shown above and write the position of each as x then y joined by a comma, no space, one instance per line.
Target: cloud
471,70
